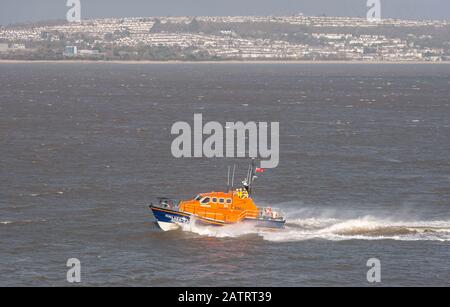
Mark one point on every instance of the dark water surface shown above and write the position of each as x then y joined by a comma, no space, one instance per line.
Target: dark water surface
364,172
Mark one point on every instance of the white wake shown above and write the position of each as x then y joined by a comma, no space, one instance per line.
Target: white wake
335,229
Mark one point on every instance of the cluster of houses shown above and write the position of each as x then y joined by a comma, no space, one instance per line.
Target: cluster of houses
90,38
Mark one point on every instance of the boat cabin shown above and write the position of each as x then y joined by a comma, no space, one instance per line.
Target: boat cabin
223,207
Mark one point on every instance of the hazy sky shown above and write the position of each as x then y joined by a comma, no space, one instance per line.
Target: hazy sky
13,11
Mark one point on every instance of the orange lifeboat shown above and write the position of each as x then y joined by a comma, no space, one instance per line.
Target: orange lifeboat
218,209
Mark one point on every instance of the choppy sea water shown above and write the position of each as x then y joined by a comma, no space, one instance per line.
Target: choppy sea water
364,173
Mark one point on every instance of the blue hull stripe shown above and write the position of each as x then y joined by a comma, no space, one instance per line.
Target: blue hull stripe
169,216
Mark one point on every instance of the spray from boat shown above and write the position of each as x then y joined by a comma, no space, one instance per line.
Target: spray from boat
334,229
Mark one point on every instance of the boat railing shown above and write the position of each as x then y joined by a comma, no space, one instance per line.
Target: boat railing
266,213
165,203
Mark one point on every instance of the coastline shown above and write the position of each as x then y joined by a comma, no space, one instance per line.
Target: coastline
217,62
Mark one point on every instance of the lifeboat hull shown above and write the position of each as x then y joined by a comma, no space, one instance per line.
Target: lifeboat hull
168,219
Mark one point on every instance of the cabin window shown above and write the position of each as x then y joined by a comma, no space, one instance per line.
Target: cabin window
214,200
198,197
222,200
205,200
228,200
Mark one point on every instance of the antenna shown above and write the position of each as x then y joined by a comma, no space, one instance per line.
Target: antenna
248,174
228,179
251,175
232,177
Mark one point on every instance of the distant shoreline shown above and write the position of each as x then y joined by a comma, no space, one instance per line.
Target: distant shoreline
215,62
